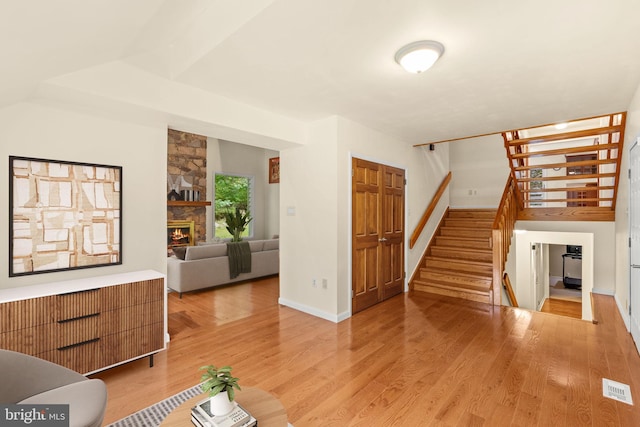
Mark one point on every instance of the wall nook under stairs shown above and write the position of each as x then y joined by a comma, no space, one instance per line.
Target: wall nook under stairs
458,261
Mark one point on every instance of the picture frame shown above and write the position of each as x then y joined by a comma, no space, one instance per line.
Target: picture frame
274,170
63,215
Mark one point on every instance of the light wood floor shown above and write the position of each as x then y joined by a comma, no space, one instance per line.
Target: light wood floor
562,307
414,360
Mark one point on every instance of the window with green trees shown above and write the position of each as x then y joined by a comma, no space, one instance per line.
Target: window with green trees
231,192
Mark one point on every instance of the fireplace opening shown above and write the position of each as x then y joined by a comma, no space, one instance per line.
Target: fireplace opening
180,233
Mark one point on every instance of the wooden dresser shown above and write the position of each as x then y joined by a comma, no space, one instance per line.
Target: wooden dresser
89,324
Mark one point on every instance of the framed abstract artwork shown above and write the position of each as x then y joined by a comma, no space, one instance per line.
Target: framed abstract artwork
63,215
274,170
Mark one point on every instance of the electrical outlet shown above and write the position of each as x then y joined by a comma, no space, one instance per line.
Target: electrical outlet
314,283
324,283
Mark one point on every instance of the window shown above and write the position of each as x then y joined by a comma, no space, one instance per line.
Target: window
232,191
535,195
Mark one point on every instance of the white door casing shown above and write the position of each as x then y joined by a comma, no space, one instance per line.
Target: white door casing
634,243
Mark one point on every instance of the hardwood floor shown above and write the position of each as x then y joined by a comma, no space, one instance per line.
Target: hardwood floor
562,307
417,359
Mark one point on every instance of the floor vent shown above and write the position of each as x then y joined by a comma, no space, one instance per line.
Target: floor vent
616,391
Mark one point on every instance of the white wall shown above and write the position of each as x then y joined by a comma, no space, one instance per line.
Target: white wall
603,249
632,132
316,183
479,166
34,130
308,222
232,158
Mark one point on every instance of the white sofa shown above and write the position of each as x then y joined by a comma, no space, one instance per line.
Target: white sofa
208,265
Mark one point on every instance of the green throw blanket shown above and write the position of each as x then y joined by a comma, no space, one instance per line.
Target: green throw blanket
239,258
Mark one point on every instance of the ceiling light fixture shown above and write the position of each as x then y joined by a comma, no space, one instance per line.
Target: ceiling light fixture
419,56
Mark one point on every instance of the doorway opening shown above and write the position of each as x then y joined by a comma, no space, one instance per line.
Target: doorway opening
557,274
540,270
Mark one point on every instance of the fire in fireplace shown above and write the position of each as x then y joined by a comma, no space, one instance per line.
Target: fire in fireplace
180,233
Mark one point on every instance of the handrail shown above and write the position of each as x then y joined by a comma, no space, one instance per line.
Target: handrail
507,286
502,231
427,213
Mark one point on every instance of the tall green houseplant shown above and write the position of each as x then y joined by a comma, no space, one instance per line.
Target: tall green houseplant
236,223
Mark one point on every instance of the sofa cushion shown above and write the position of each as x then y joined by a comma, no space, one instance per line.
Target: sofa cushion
256,245
271,245
208,251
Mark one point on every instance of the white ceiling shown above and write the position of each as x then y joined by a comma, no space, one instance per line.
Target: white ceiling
507,64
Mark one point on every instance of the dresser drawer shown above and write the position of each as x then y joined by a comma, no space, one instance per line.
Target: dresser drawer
81,357
132,317
71,332
133,343
115,297
77,304
34,340
25,314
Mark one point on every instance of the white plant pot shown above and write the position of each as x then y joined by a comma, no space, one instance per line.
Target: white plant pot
220,404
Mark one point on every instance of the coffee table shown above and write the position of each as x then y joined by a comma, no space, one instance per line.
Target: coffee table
263,406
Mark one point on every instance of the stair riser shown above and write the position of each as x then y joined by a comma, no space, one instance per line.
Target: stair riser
460,243
491,214
468,223
453,293
445,252
460,266
465,232
452,280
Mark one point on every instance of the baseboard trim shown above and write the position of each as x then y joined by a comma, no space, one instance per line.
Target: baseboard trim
623,313
335,318
603,292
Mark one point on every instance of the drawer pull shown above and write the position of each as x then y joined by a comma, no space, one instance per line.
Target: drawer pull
86,316
67,347
79,292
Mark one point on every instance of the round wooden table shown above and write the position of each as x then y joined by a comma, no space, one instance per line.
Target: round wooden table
263,406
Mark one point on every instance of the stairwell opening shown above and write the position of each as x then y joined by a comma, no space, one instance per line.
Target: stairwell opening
527,287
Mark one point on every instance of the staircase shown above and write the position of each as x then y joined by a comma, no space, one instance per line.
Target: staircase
459,259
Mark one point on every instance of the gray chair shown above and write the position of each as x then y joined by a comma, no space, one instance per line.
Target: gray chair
30,380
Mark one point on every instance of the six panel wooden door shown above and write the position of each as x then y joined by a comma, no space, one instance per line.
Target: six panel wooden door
377,233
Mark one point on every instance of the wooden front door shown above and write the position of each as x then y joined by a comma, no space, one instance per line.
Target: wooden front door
377,233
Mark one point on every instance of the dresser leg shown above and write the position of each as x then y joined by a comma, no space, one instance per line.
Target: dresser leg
151,361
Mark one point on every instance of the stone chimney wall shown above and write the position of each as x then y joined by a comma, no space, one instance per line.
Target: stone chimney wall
187,157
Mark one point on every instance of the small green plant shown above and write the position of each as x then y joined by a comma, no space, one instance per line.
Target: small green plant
236,223
216,380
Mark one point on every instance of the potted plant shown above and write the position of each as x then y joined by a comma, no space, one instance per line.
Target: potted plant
219,383
236,223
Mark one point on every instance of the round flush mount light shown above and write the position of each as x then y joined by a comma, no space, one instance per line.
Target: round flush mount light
419,56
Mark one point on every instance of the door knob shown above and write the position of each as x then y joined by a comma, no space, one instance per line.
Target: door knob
382,240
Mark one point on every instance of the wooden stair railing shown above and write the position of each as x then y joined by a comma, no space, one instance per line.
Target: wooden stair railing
568,175
506,283
427,213
502,231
